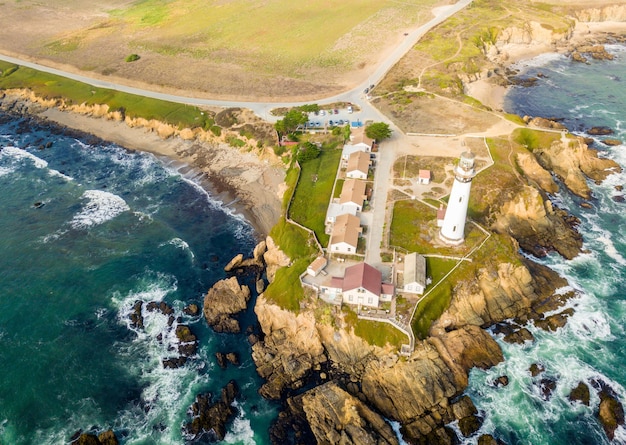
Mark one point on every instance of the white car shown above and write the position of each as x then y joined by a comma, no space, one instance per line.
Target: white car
322,113
349,109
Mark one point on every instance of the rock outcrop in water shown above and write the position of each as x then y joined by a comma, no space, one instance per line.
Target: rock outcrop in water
105,438
224,300
211,418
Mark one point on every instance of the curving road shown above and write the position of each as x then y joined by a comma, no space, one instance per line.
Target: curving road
393,147
262,109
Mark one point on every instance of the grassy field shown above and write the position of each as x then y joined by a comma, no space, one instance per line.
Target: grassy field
314,190
50,86
269,36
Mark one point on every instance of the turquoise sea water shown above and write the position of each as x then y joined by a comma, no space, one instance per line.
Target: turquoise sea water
592,346
115,227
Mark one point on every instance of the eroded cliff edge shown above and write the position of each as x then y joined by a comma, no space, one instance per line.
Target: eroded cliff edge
337,388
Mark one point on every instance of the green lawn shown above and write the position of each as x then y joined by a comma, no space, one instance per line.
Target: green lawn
374,332
314,192
50,86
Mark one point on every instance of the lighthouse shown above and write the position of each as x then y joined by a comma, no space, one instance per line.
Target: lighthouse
453,227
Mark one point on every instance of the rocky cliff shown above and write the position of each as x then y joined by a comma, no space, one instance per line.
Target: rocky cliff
356,385
573,162
537,226
506,291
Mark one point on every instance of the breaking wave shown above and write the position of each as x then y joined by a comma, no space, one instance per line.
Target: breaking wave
101,206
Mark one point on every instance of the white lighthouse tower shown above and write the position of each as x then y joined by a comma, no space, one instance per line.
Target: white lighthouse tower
453,227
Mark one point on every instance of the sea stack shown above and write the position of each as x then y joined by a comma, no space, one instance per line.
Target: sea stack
453,228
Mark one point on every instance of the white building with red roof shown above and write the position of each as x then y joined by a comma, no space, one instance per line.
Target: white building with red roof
361,285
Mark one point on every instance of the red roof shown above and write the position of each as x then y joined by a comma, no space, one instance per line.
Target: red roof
363,275
424,174
389,289
336,282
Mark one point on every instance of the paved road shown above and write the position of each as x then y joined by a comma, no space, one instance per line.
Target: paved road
388,150
262,109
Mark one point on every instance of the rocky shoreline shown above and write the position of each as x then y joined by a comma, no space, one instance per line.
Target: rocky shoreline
335,388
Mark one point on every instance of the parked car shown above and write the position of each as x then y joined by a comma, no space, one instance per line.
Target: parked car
322,113
350,109
330,123
336,111
366,90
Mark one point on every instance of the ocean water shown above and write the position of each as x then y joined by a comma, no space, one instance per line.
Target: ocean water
87,229
592,346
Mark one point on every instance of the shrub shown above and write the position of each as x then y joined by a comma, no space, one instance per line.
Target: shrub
132,58
308,151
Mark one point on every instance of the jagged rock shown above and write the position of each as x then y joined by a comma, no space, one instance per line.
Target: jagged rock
235,262
571,160
610,412
619,198
597,52
612,142
469,425
108,438
519,337
232,358
160,306
531,168
210,418
542,122
274,259
503,380
259,251
537,225
580,394
499,292
417,392
487,439
619,188
260,286
555,321
87,439
578,57
586,205
192,310
225,299
136,318
600,131
221,359
105,438
536,369
290,351
175,362
188,341
335,416
547,387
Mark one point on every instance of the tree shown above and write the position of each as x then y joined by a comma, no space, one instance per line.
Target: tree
378,131
307,151
290,122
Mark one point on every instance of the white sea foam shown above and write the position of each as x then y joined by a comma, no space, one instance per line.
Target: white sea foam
180,244
101,206
538,62
18,153
6,170
167,392
240,431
